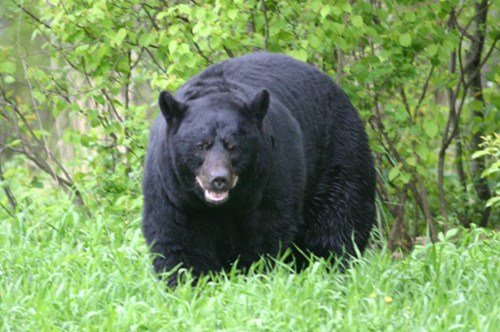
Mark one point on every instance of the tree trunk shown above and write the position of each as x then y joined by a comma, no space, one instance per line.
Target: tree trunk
473,72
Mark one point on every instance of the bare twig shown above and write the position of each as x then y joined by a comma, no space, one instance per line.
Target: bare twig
10,196
398,231
424,91
405,103
32,15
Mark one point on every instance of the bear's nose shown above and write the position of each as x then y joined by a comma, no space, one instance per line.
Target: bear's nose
219,183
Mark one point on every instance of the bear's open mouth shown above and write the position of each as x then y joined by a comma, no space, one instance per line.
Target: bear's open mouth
216,197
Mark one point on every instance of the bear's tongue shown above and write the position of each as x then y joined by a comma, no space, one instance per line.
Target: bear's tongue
215,197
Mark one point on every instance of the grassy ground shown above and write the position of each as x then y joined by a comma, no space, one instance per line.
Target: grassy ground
60,270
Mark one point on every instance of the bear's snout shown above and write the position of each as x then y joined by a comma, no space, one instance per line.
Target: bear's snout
220,183
216,177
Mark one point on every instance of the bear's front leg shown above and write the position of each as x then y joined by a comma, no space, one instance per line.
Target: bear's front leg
269,232
177,242
172,257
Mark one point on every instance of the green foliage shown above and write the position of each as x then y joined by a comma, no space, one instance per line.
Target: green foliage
491,149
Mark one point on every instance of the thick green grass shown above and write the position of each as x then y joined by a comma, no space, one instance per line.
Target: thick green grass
60,270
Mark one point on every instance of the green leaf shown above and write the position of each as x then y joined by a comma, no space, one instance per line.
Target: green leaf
14,143
184,48
146,39
432,49
422,151
184,9
36,183
494,201
431,127
338,28
441,237
405,178
357,21
393,173
480,153
325,11
8,68
316,42
119,37
451,233
346,7
172,46
232,14
410,17
298,54
405,40
9,79
336,11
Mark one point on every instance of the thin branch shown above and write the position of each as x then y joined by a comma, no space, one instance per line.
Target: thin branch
424,91
156,61
7,210
112,106
32,15
405,103
10,196
397,226
266,24
151,18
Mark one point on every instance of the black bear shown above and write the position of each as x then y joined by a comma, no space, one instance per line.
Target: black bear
254,155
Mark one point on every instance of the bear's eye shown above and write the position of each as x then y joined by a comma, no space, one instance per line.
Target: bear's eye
203,146
231,147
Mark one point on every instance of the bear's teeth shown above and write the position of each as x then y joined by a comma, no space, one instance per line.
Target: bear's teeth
214,196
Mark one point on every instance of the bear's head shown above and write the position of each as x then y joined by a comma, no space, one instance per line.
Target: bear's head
215,142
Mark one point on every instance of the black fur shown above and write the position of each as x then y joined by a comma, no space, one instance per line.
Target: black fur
297,147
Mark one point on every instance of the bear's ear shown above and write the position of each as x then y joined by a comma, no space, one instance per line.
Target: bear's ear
170,108
259,104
